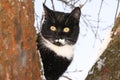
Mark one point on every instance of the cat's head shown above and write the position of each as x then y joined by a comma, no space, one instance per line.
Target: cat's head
61,28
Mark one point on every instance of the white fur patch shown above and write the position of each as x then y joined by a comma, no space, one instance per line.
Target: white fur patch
64,51
62,41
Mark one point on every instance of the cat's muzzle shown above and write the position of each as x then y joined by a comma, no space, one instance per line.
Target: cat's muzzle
59,42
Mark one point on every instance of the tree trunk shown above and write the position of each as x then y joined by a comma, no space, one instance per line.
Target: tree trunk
108,65
19,59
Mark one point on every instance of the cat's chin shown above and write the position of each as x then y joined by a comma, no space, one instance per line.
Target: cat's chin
58,44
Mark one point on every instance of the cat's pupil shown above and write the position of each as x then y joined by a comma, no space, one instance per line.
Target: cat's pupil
53,28
66,29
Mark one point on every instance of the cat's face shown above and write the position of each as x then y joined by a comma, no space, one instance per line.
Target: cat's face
61,28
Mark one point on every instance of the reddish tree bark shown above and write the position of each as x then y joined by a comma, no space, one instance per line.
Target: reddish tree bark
19,59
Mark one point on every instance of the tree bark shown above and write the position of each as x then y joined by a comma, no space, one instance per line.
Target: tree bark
108,65
19,59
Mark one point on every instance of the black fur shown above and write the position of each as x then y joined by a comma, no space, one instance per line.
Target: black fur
54,65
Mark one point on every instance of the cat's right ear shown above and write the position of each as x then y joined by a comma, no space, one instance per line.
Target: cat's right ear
47,11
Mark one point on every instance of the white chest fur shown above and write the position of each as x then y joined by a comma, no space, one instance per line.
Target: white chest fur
64,51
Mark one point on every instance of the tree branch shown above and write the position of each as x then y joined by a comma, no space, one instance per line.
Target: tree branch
116,10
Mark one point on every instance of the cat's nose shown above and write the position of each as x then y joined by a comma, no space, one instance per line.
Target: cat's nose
59,37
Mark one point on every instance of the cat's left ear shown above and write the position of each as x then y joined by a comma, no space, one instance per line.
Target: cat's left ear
74,16
48,12
76,13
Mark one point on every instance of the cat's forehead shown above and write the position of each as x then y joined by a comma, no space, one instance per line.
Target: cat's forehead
60,17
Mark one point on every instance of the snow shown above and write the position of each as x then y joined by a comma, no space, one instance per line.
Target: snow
42,70
105,43
100,63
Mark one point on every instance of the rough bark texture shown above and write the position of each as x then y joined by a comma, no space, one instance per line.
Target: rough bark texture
110,66
19,59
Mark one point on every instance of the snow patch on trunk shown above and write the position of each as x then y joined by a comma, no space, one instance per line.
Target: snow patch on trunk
105,43
100,63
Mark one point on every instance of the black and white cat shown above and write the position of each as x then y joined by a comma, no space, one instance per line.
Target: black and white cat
56,41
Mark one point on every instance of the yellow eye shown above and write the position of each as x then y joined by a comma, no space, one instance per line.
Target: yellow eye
53,28
66,29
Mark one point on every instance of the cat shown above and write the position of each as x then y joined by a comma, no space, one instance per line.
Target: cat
56,40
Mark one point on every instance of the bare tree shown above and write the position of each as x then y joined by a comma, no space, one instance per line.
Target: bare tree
19,59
